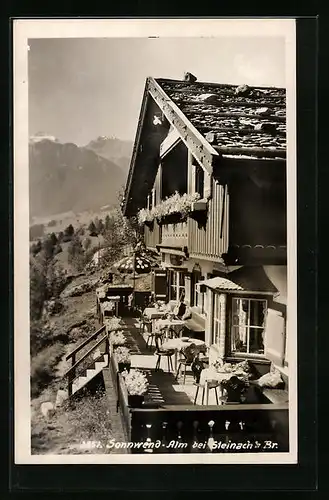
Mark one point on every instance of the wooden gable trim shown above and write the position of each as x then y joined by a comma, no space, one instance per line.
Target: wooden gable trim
136,148
191,137
170,141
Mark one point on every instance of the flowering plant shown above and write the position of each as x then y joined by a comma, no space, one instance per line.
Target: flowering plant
112,323
145,215
136,382
174,204
122,354
118,338
109,305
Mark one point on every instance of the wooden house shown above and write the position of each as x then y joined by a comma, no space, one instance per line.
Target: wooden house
220,150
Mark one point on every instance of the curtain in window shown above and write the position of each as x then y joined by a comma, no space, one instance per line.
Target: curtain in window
247,335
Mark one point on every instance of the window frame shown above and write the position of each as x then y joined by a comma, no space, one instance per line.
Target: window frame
248,326
175,284
203,308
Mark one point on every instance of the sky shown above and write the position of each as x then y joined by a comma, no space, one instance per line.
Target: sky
81,88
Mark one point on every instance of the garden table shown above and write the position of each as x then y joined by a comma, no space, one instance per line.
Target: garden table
168,325
178,345
153,313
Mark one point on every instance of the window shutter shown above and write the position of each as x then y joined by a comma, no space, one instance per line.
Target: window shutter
274,338
160,284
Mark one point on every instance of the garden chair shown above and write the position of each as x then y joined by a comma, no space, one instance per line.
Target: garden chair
188,358
212,384
167,353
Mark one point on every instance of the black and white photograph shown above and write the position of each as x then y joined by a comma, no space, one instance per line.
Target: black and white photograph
155,241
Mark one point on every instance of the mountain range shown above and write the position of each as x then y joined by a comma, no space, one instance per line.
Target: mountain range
66,177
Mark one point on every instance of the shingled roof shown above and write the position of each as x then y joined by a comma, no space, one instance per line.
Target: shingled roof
231,117
213,120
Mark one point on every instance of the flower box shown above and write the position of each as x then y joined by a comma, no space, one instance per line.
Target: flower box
124,366
135,400
199,205
173,209
174,218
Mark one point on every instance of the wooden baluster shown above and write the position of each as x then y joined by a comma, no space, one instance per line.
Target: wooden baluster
195,438
210,442
164,436
148,439
179,427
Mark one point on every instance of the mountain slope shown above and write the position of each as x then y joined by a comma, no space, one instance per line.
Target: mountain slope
65,177
113,149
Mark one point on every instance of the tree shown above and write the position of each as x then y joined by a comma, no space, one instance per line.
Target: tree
48,247
68,233
38,289
99,226
76,255
53,238
107,224
92,229
36,248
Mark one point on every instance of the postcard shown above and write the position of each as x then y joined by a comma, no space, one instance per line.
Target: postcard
155,241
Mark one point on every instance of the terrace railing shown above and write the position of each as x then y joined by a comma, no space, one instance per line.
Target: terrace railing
90,351
230,428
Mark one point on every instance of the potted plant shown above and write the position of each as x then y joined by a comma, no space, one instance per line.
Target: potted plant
117,338
137,385
123,358
235,388
145,216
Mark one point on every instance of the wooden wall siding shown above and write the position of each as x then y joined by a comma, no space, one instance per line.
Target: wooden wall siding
152,236
210,242
175,234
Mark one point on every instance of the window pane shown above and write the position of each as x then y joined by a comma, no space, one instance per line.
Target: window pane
256,343
181,279
239,339
240,312
257,312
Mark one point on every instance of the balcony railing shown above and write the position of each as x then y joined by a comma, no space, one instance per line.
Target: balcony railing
175,234
152,235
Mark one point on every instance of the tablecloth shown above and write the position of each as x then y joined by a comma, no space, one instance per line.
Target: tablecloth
153,313
182,343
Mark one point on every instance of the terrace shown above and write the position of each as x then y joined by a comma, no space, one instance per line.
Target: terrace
169,414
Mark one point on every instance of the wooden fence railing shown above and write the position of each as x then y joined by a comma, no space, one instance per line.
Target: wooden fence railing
232,428
81,364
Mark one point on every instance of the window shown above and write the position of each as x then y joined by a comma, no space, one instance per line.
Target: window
199,180
216,319
248,316
177,286
151,199
201,297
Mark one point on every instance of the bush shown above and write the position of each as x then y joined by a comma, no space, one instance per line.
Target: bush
52,223
43,367
90,420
